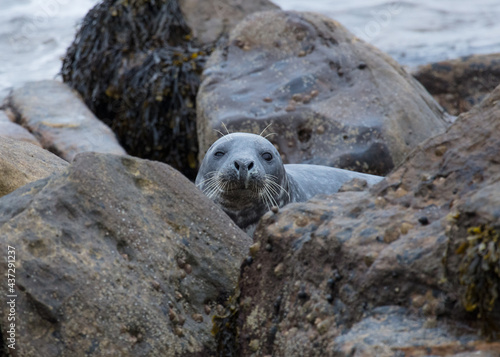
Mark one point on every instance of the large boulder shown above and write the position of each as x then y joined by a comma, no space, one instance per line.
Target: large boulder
22,163
331,98
117,256
9,129
461,83
211,19
59,119
409,268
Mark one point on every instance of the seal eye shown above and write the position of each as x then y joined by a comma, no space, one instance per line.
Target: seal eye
267,156
219,154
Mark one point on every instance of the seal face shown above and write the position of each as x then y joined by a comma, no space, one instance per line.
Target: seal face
243,174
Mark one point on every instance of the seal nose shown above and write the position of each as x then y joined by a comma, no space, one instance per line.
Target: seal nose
243,167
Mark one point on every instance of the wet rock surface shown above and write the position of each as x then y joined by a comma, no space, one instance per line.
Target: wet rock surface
15,131
461,83
331,98
22,163
409,268
118,256
211,19
60,121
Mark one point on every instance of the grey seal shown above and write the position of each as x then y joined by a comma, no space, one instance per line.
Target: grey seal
244,175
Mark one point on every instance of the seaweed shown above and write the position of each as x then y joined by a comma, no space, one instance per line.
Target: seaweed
138,69
480,272
225,330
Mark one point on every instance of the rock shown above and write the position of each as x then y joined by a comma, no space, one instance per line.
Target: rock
461,83
331,98
344,290
209,20
102,255
15,131
22,163
60,120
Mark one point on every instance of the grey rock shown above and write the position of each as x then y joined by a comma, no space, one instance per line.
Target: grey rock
22,163
118,256
331,99
61,122
425,240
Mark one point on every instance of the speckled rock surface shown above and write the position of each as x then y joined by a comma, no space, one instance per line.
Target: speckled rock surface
118,256
410,268
461,83
61,122
211,19
9,129
331,98
22,163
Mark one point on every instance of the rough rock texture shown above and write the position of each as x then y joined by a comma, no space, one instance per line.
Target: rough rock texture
410,268
118,256
22,163
331,98
14,131
59,119
211,19
461,83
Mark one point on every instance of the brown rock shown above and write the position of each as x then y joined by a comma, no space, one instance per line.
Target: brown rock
78,296
431,291
367,119
211,19
461,83
15,131
22,163
61,122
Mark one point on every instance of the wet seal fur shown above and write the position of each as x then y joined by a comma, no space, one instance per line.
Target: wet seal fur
243,174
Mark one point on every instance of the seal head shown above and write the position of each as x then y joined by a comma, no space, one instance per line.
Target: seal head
243,173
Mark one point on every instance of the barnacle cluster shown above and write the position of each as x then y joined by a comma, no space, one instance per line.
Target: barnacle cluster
138,69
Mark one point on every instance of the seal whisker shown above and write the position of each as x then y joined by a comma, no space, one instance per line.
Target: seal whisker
268,197
225,127
271,188
276,185
282,188
272,200
210,184
262,132
269,135
209,176
221,133
214,186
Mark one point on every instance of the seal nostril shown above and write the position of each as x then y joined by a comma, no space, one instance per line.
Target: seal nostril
250,166
237,166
